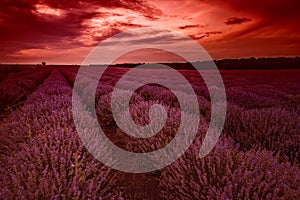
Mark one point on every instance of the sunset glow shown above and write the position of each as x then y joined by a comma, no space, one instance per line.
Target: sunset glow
68,31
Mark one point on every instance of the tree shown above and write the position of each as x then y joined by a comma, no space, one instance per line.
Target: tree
43,63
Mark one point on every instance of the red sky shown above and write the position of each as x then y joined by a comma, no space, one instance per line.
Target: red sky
64,31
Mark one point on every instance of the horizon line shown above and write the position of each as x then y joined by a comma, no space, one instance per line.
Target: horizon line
134,63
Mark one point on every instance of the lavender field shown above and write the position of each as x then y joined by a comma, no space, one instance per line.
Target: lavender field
43,157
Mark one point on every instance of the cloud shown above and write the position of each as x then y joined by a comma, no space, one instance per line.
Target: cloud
110,31
196,37
141,6
153,37
209,33
202,35
237,20
191,26
28,23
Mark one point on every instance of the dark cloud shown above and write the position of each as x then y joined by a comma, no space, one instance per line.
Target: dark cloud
191,26
202,35
237,20
131,25
212,33
112,30
23,27
198,37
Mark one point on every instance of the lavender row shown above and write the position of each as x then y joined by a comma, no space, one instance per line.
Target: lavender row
274,129
14,89
42,154
263,97
228,173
